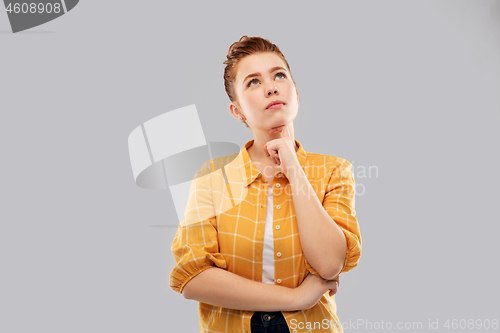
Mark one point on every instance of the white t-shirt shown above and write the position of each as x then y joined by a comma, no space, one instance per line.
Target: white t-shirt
268,251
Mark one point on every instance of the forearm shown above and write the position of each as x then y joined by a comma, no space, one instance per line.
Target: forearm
219,287
323,242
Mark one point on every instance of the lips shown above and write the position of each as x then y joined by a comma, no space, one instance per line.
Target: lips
275,104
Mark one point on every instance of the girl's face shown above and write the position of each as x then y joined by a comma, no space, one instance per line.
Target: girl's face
262,79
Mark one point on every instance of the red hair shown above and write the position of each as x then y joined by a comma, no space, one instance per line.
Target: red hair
240,49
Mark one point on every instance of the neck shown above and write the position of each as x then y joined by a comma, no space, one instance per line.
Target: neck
262,136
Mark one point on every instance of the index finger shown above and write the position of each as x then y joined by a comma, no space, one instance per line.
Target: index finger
283,129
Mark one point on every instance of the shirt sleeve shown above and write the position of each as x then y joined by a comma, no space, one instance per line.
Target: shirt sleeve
339,203
195,246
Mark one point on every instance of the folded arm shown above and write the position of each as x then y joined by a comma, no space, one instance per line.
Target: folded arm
329,232
222,288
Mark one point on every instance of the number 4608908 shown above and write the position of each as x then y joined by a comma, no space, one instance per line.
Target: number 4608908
32,8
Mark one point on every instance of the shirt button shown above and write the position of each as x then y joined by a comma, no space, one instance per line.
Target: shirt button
278,207
278,185
278,227
279,281
278,254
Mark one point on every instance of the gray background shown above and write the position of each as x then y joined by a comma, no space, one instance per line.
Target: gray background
410,87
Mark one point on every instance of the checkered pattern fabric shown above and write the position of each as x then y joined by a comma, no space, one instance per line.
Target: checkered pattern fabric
224,225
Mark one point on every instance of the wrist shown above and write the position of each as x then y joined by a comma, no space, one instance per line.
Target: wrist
296,299
294,172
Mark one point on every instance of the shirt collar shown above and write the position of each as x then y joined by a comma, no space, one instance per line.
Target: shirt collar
249,171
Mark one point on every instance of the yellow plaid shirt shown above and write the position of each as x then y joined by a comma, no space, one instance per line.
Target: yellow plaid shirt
224,225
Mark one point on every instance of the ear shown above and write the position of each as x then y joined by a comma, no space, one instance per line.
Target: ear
234,109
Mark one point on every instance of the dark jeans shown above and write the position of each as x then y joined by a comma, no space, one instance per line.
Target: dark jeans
269,322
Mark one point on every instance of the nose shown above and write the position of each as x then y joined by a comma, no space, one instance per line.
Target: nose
272,89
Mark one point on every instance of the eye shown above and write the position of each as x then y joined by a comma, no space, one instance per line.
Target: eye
281,73
250,82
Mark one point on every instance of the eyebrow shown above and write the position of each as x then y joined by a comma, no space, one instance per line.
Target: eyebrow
258,74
